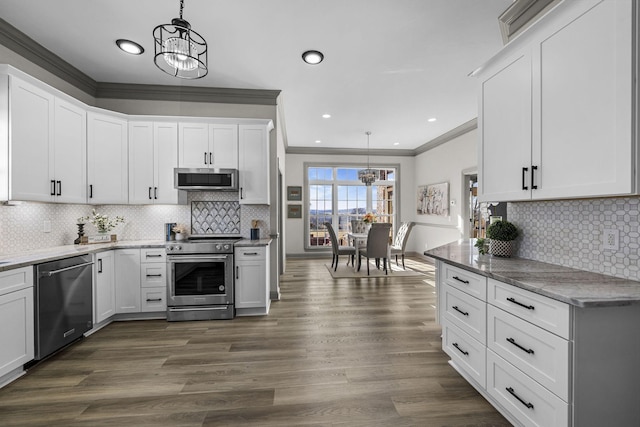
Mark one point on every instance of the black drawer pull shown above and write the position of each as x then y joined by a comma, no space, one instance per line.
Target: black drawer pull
466,282
533,172
464,313
524,173
153,255
455,344
526,350
250,253
528,307
154,299
154,275
513,393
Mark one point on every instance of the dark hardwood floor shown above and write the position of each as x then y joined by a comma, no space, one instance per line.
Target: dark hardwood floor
346,352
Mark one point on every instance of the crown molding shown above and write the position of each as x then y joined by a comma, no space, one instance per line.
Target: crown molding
520,15
348,151
187,94
446,137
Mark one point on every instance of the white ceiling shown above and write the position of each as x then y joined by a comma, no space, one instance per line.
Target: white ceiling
389,64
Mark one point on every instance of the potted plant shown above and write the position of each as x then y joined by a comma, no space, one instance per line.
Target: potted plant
481,244
180,231
501,235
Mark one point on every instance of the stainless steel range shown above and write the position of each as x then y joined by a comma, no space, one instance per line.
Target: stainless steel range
201,281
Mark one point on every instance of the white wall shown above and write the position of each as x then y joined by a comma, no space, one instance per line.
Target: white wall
444,163
294,228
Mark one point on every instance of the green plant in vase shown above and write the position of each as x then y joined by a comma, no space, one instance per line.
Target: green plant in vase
501,235
103,223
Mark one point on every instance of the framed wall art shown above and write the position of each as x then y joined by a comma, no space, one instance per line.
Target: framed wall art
294,211
433,199
294,193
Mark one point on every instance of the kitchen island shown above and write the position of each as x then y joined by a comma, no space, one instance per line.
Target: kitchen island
547,345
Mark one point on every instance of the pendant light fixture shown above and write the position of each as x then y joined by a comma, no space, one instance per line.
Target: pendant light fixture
368,176
180,51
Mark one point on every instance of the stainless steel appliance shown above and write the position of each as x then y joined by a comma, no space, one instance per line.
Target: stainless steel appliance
63,303
204,179
201,281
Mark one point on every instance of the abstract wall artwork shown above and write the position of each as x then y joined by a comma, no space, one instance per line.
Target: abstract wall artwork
433,199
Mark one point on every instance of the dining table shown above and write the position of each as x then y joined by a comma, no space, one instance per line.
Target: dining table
359,240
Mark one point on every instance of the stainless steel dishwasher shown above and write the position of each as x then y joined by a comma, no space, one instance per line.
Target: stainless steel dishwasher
63,303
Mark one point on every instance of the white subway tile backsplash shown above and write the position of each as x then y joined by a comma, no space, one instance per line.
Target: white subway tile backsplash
570,233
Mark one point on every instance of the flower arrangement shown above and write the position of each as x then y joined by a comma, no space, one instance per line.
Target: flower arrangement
368,218
103,223
179,229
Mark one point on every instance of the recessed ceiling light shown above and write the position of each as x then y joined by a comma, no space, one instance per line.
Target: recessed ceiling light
326,116
312,57
396,143
318,141
432,119
130,47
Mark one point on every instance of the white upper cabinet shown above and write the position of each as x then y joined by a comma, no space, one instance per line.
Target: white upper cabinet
574,104
47,146
107,159
254,164
206,145
153,154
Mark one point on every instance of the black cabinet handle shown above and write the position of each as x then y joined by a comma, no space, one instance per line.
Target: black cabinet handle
464,313
154,299
154,275
91,191
237,272
153,255
466,282
99,266
210,158
513,393
150,193
155,193
526,350
455,344
513,300
249,253
59,192
533,173
53,187
205,158
241,195
524,178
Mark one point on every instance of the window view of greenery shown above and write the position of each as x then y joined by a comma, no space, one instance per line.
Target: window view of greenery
337,196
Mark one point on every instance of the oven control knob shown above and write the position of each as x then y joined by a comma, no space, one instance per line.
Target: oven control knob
226,247
218,247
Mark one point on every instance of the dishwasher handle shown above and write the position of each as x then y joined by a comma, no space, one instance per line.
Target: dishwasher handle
52,272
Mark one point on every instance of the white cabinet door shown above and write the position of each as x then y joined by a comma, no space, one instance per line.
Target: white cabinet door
254,164
127,277
141,164
224,146
504,122
165,156
193,141
104,288
31,130
69,152
251,286
586,124
16,318
107,165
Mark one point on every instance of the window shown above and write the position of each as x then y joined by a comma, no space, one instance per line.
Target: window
336,195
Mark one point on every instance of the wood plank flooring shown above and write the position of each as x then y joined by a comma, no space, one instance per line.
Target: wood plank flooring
346,352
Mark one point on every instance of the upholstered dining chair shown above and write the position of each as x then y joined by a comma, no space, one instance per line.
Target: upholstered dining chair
337,249
377,242
358,226
400,242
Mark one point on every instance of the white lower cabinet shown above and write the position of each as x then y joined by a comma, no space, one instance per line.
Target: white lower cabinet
467,353
251,281
153,279
127,267
104,287
16,318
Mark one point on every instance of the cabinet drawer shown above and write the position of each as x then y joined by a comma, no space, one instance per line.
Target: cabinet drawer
14,280
538,353
250,253
154,299
153,275
466,281
549,314
467,353
158,255
466,312
525,399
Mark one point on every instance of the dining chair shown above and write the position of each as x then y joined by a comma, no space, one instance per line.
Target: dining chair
337,249
400,242
377,245
358,226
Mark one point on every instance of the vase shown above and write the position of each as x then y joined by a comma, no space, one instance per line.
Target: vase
501,248
179,236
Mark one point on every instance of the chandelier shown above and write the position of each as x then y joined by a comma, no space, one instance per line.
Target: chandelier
180,51
368,176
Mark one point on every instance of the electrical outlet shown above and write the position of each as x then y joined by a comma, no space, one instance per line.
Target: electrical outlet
611,239
46,226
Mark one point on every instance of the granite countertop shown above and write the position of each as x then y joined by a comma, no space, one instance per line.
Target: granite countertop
576,287
252,243
37,256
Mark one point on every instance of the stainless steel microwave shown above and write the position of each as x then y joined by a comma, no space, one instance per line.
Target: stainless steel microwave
203,179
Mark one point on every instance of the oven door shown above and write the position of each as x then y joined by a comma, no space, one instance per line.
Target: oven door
200,280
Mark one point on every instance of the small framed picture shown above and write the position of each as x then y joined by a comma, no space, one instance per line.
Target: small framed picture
294,211
294,193
494,218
